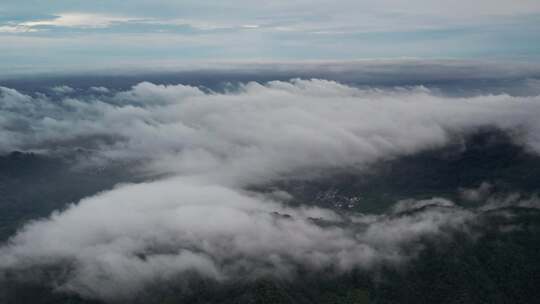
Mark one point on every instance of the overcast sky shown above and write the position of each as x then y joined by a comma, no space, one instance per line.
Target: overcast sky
68,34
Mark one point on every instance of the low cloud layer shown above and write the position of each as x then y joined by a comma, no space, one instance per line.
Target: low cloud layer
114,244
213,146
257,132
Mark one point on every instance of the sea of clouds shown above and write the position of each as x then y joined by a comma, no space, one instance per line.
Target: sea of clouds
208,148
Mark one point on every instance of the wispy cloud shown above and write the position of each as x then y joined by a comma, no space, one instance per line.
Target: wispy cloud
82,20
18,28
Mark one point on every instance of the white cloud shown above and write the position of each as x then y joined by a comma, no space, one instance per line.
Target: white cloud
101,90
12,29
214,145
96,21
135,235
64,89
262,132
82,20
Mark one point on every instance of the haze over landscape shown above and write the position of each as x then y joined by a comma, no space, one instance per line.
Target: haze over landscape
278,152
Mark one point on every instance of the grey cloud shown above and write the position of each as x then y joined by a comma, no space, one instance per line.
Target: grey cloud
412,205
477,194
515,199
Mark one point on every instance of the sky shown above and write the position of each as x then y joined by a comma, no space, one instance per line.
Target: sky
79,35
